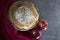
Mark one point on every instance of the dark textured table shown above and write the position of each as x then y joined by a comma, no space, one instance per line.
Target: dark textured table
50,10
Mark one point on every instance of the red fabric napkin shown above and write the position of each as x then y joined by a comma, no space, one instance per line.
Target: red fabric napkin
7,30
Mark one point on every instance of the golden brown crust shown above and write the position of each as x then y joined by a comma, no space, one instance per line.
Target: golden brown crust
13,8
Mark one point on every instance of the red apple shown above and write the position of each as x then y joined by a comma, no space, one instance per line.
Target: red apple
35,33
42,24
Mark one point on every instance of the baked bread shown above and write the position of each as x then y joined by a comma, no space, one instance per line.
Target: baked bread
23,15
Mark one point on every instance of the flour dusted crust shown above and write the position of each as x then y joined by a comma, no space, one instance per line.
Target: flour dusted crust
23,15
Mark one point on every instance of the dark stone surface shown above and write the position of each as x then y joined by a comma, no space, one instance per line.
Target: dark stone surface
50,10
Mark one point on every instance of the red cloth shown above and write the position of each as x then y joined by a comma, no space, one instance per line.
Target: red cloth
7,31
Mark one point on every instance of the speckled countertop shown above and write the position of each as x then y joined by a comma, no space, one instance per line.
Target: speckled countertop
50,10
